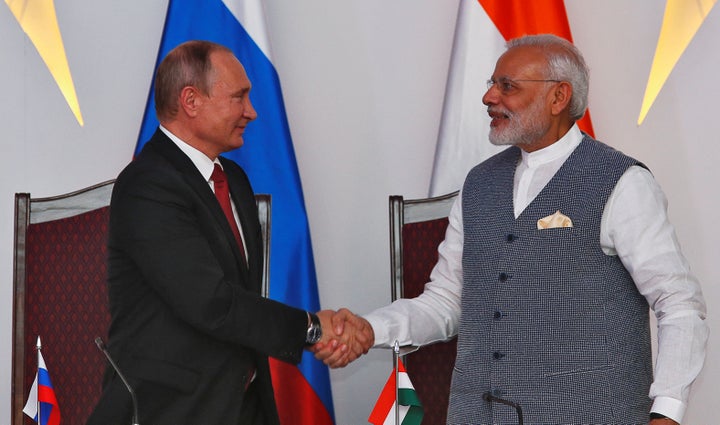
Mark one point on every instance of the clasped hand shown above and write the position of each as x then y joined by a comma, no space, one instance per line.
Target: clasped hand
346,337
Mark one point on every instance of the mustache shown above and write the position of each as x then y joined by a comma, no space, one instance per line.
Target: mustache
494,110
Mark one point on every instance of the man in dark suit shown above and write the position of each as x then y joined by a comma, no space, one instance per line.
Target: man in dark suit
189,327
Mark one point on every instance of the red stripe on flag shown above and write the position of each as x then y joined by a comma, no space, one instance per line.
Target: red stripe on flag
47,395
515,18
297,402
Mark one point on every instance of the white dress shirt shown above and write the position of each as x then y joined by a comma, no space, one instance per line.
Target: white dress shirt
205,166
634,227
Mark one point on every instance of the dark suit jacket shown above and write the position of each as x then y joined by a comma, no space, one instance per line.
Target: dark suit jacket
188,321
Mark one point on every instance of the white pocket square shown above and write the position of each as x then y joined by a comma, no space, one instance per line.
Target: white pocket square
554,220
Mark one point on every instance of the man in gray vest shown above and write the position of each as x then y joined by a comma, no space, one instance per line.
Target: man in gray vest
556,249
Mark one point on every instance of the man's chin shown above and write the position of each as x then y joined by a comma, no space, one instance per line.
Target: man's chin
237,143
499,140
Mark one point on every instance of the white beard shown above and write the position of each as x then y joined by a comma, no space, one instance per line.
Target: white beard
525,127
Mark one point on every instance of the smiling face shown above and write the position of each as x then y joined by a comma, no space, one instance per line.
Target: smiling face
521,100
220,117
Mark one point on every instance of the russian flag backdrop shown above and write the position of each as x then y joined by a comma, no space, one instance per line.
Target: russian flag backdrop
303,393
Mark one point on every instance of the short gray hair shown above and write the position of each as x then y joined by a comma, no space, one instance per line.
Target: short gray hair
188,64
565,63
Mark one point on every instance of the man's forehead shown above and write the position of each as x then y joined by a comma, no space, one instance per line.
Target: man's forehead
517,60
226,66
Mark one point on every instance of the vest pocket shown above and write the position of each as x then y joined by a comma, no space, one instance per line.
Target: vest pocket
581,370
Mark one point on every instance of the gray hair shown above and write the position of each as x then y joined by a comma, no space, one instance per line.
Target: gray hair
565,63
188,64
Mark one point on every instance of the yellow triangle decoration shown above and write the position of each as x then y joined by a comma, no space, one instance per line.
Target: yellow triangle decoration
680,24
39,21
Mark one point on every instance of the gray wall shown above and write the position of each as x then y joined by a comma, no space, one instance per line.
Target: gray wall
363,84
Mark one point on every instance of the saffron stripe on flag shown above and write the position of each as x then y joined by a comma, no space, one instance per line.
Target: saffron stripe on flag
268,157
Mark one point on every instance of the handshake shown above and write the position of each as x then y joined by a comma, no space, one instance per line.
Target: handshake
346,337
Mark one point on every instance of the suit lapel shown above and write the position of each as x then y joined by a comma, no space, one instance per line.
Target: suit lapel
165,147
246,207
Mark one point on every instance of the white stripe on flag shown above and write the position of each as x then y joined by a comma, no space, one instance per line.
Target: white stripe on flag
31,405
463,139
30,408
390,419
251,16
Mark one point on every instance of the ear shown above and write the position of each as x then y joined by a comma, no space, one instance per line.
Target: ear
561,95
190,100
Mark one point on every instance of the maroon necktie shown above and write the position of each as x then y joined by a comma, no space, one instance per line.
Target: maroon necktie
223,196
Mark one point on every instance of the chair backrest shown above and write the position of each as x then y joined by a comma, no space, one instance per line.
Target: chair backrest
417,226
60,294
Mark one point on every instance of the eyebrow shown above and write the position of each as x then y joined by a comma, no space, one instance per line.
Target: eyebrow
242,91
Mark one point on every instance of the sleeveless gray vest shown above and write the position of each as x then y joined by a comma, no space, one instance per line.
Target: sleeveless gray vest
548,320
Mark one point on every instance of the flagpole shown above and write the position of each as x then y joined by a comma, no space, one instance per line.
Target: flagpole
396,368
38,346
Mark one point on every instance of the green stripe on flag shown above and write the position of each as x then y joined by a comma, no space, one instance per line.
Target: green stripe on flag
408,397
414,416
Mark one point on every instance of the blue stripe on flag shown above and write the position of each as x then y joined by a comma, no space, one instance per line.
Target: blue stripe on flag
44,378
267,156
45,412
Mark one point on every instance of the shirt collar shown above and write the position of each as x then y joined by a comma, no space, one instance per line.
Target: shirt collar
204,164
559,149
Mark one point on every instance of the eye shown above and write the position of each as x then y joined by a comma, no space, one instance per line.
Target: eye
505,85
241,95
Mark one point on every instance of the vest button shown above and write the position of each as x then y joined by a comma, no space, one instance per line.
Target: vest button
497,355
503,277
497,315
511,237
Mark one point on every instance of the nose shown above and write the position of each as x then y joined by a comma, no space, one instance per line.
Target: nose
491,96
250,113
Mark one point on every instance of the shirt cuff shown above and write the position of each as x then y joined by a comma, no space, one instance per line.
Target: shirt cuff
379,329
670,407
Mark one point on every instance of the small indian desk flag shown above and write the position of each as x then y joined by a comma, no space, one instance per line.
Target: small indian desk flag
410,409
42,405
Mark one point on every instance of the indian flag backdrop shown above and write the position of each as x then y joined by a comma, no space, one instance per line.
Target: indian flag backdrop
483,27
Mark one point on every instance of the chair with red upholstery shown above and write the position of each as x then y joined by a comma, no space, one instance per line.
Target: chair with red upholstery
60,294
417,226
